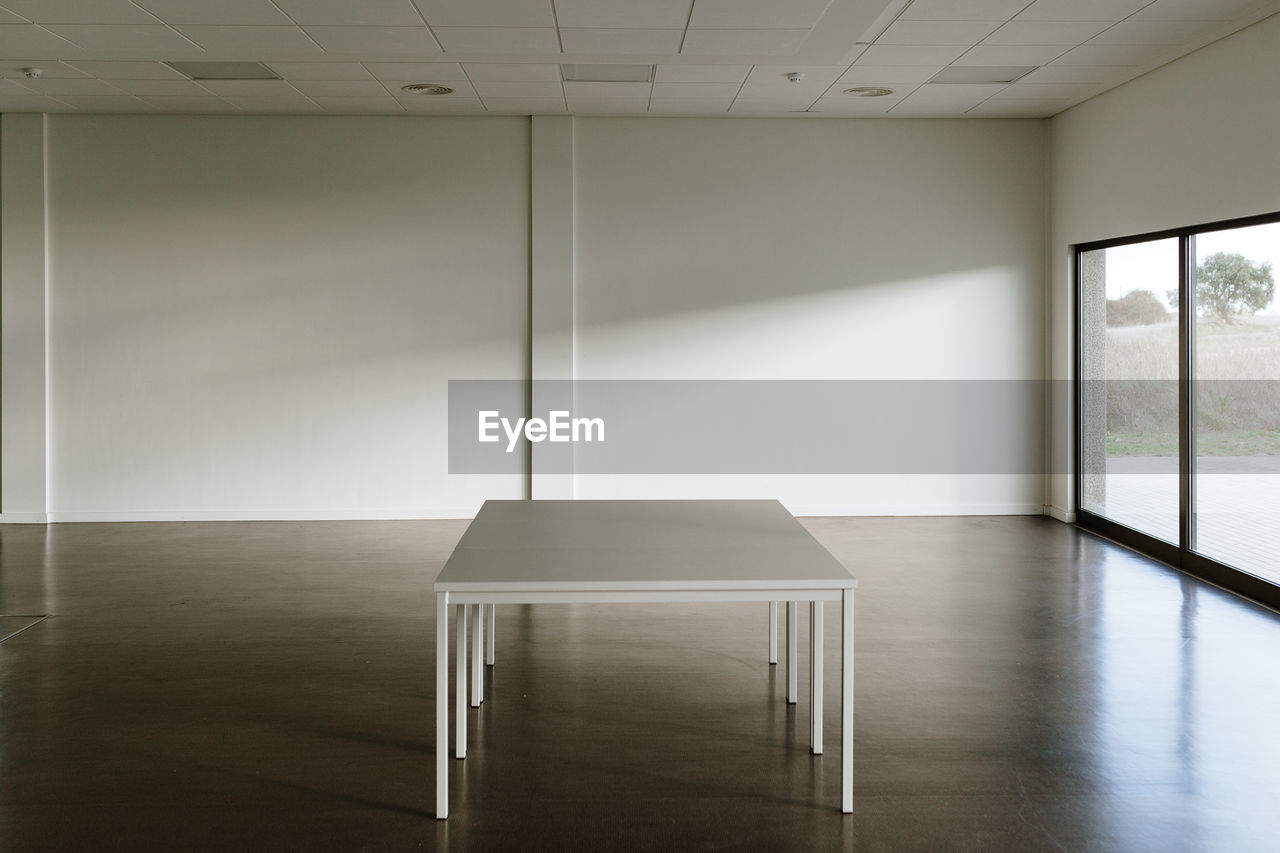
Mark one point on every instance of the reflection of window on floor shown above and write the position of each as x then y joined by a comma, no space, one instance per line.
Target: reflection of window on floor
1130,423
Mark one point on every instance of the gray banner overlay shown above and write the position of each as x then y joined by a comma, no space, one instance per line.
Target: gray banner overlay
753,427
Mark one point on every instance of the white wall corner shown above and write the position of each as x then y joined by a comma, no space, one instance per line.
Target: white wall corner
1060,514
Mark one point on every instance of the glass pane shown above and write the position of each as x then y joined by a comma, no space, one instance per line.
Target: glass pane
1129,388
1236,414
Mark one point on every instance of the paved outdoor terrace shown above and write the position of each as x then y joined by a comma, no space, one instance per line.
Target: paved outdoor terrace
1237,506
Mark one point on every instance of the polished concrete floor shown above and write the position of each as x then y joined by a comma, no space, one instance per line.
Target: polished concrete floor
268,686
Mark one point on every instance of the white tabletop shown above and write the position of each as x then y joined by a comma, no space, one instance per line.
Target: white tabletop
638,545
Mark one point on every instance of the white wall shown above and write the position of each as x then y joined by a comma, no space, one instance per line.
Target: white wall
831,249
257,317
1192,142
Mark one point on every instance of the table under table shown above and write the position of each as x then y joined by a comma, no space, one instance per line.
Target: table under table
540,552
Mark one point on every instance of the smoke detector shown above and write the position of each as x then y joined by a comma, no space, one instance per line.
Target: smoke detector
795,77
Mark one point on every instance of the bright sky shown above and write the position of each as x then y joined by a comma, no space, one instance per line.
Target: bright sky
1154,265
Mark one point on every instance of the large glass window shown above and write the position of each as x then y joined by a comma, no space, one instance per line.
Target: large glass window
1129,394
1236,408
1178,415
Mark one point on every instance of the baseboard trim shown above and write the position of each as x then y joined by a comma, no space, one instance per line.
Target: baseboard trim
24,518
814,510
1061,514
429,513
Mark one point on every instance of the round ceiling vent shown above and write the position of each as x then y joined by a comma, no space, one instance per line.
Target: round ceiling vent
426,89
868,91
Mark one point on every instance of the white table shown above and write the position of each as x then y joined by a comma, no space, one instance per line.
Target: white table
535,552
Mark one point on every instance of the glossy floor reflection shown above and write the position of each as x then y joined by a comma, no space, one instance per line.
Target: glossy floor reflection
268,686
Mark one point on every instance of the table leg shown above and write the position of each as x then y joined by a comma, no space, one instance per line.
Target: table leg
815,676
477,655
793,676
488,622
846,706
442,705
773,632
460,682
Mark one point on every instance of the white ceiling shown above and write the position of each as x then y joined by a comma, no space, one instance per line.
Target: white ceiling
712,57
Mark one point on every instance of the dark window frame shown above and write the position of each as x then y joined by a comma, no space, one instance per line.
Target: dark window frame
1179,556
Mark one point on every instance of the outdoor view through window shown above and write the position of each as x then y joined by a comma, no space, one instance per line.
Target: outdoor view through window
1129,441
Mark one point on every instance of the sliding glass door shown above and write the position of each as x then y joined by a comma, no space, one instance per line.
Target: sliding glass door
1178,398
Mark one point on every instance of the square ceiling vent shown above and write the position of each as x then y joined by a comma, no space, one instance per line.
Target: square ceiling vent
224,70
607,73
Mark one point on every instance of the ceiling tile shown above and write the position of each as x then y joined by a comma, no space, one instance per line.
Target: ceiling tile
1047,32
771,42
365,13
848,105
757,14
26,39
424,71
498,39
361,106
1110,54
1017,108
619,41
525,106
29,104
1049,91
869,75
1080,10
7,17
429,106
609,107
963,10
1194,10
321,70
937,32
243,12
959,96
891,54
256,43
79,11
1151,32
71,86
341,88
702,73
278,105
751,106
189,88
623,14
1078,74
193,106
518,89
513,71
487,13
1012,54
48,68
686,91
127,70
375,41
106,103
249,88
688,106
583,90
149,39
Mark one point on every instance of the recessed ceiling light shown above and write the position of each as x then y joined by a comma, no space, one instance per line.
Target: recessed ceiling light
587,73
868,91
224,70
426,89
